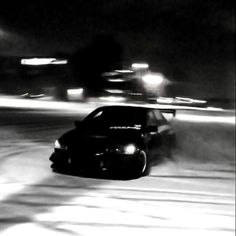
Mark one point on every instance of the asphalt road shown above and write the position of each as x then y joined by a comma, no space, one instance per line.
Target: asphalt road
193,194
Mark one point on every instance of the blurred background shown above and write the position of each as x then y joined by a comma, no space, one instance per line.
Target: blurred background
59,60
163,51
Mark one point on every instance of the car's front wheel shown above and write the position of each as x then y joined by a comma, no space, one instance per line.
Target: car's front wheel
143,166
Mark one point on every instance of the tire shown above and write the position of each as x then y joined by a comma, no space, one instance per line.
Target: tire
143,166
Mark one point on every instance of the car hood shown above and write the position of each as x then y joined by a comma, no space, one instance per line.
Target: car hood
109,136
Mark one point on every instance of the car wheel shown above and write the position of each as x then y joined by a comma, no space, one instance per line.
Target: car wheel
143,166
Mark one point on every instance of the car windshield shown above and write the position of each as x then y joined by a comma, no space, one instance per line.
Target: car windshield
118,118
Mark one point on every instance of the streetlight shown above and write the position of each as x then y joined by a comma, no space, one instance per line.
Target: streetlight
153,79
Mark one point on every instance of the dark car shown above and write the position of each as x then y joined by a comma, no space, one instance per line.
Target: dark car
115,139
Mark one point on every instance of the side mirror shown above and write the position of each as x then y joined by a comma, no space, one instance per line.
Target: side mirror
77,123
151,129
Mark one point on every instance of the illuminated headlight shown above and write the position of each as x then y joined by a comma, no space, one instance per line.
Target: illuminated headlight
130,149
57,145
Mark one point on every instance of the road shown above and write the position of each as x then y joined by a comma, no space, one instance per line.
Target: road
192,194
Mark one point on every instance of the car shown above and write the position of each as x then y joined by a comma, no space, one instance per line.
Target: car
117,139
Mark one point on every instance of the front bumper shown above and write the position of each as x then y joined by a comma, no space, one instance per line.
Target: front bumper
95,162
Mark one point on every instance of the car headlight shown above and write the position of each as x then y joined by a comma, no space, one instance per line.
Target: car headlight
129,149
58,145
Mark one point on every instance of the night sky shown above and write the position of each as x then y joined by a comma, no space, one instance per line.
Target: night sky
190,41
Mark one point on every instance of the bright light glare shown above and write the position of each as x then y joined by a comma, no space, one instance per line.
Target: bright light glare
112,99
165,100
129,149
118,91
153,79
116,80
59,62
37,61
57,144
42,61
206,119
77,91
49,105
140,66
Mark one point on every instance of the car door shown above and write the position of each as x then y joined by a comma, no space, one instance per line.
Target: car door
166,134
153,137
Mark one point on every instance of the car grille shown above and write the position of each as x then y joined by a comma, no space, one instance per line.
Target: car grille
90,146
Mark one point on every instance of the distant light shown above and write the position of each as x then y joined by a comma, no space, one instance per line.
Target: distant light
72,92
37,61
135,94
59,62
117,91
153,79
42,61
198,101
191,100
124,71
110,73
140,66
116,80
112,99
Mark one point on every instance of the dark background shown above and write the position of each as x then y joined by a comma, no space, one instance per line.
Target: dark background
190,41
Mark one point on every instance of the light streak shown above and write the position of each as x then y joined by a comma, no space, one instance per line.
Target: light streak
118,91
140,66
206,118
116,80
23,103
112,99
42,61
190,100
124,71
222,116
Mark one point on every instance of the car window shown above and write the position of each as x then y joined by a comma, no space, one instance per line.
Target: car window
117,117
94,119
159,117
151,119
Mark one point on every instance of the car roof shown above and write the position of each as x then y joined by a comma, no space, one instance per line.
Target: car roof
124,107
